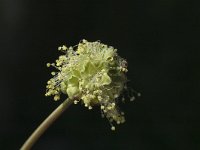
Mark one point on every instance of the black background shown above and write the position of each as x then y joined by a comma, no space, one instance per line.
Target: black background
160,40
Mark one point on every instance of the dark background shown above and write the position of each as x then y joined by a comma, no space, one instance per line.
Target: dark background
160,40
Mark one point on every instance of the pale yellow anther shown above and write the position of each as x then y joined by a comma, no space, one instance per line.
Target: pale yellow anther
64,48
118,122
113,128
75,101
124,69
59,48
55,92
53,73
48,64
132,98
109,107
90,107
116,96
99,98
58,63
84,41
102,107
113,104
56,97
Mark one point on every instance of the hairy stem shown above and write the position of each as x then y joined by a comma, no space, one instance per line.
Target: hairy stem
45,124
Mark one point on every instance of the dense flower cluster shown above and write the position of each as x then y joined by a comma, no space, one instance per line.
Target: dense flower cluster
92,73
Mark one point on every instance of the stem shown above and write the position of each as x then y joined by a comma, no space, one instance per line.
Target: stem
45,124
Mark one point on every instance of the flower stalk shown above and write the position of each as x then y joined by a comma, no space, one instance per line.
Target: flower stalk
45,124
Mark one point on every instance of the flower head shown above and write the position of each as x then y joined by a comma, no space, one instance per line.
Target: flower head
92,73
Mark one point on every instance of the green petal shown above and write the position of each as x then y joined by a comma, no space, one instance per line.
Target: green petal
106,80
72,91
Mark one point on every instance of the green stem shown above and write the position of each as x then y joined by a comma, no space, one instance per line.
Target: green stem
45,124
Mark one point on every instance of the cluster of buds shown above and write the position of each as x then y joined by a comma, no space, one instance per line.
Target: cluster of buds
91,73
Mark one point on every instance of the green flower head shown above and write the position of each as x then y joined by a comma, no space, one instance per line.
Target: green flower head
92,73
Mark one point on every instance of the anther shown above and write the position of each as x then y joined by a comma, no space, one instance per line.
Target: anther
48,64
113,128
102,107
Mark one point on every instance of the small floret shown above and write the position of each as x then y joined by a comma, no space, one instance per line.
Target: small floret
92,73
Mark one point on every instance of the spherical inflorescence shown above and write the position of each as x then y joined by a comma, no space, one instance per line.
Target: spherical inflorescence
92,73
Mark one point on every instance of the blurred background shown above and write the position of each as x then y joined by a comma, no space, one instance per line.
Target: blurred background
160,40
